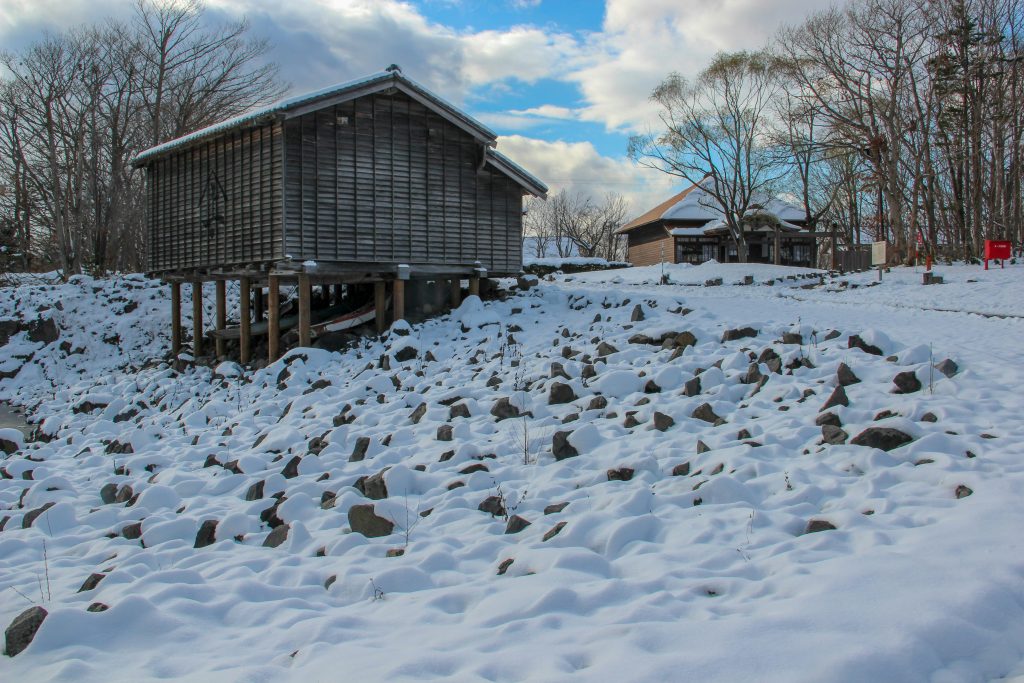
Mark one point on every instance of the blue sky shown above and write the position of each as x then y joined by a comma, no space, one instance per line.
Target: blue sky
563,82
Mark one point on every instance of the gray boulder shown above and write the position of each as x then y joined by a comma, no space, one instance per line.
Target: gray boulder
23,629
364,520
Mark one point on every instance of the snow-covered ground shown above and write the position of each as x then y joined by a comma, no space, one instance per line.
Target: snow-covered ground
683,549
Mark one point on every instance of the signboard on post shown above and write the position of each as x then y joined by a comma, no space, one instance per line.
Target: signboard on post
998,249
879,253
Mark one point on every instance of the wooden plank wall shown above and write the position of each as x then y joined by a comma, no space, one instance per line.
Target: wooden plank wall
236,177
650,245
384,179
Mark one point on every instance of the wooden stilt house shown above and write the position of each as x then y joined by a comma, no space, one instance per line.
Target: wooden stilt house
373,182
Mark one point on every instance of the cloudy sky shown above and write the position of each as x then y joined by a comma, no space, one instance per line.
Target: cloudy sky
564,82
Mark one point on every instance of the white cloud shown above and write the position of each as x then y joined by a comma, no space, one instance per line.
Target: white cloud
578,167
547,111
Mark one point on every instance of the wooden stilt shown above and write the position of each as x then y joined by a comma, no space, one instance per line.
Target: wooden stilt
456,286
175,318
339,292
474,286
398,300
221,321
379,297
197,319
245,321
273,317
304,296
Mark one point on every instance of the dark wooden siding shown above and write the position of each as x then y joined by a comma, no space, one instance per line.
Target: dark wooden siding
217,203
650,245
383,179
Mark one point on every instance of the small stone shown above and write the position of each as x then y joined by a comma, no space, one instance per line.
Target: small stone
276,537
620,474
395,552
328,499
444,432
681,470
929,417
597,403
107,493
962,491
516,524
373,487
458,410
23,629
884,438
816,525
493,506
560,446
947,367
739,333
828,419
555,508
91,582
406,353
792,338
559,393
291,470
32,515
637,315
558,370
588,371
329,581
418,414
706,413
702,447
359,451
753,374
503,567
207,534
553,531
503,409
255,492
856,342
364,520
692,387
630,422
833,435
836,398
683,340
97,607
845,376
906,382
662,421
132,531
605,349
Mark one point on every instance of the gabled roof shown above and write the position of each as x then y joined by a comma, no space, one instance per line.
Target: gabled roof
342,92
693,204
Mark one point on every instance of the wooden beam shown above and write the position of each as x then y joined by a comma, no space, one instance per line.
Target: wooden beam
222,321
245,321
304,295
273,317
398,300
379,298
339,292
456,286
474,286
197,319
175,318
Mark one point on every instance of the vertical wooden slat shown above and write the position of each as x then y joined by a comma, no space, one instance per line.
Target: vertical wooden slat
245,320
378,302
197,318
273,317
175,318
221,315
304,337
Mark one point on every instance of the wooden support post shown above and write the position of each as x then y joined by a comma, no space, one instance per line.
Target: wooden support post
222,316
245,321
398,300
339,293
304,295
175,318
456,286
273,317
197,319
474,286
379,298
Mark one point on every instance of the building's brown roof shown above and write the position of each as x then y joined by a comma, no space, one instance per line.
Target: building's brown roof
657,212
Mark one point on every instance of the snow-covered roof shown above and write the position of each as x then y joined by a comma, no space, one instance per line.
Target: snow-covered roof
334,93
509,167
694,204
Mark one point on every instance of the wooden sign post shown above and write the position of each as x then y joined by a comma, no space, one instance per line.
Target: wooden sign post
879,256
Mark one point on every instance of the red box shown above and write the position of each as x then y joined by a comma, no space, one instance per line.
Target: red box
998,249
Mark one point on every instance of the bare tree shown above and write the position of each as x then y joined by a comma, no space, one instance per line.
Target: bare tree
716,134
